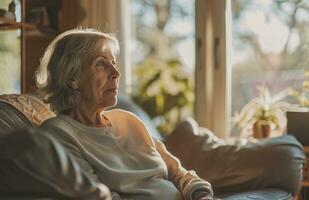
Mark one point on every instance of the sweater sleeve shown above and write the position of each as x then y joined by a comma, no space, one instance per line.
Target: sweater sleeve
186,181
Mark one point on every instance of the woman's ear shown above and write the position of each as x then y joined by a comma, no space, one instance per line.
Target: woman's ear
73,84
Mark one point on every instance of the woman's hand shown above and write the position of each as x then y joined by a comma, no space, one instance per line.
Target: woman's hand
202,195
206,197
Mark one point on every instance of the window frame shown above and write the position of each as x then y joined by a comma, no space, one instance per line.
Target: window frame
213,71
212,108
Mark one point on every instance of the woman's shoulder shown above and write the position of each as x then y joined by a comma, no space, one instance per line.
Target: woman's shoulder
55,121
119,115
57,124
59,128
128,123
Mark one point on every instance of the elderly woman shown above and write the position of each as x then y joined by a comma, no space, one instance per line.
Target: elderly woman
79,78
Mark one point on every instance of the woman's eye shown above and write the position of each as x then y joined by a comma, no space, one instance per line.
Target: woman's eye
101,64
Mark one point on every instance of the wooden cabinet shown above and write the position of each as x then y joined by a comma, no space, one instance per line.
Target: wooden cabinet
44,18
34,23
304,192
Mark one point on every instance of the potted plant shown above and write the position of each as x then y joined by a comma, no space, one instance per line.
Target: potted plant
263,115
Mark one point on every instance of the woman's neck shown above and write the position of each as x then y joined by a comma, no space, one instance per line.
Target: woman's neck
89,116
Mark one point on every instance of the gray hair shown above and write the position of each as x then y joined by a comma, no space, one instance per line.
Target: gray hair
62,62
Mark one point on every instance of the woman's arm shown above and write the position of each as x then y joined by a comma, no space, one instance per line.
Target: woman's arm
191,186
188,183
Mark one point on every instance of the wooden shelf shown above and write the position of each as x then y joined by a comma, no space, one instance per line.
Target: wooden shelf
43,3
305,182
4,20
38,25
10,27
7,24
306,168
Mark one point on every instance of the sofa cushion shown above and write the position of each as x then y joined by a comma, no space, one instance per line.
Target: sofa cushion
33,164
264,194
238,166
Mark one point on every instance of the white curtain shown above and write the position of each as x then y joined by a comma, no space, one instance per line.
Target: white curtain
109,16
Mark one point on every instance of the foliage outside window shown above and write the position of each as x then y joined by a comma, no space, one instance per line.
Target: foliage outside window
302,95
270,47
163,59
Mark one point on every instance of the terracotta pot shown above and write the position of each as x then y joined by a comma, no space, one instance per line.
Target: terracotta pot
261,130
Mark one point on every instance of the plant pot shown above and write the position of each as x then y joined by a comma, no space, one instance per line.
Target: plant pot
261,130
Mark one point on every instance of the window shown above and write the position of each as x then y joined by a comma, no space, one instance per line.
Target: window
163,56
242,44
269,46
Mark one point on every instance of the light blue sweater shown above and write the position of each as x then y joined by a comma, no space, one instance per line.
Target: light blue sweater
126,159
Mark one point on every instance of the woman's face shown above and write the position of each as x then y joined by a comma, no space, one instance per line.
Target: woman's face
98,84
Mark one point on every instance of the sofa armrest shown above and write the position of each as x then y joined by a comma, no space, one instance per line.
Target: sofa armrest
235,167
33,164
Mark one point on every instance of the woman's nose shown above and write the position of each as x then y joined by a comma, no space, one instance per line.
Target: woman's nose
115,74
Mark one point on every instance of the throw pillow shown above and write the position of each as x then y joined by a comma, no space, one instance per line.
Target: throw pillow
31,106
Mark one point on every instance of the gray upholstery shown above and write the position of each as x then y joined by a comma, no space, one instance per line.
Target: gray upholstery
231,168
239,167
11,118
264,194
268,169
41,167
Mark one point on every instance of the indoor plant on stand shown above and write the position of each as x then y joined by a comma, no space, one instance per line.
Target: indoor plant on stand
264,115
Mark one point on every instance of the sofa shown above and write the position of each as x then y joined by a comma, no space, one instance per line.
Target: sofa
35,166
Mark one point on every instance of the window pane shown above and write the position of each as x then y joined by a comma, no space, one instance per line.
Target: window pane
270,47
10,63
163,55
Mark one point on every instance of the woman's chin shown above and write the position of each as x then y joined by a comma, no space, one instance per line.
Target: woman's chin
110,101
114,102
